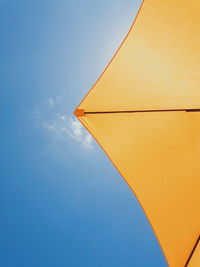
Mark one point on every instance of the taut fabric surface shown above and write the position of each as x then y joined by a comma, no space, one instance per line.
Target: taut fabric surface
157,153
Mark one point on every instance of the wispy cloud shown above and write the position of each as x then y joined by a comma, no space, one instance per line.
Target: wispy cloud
64,127
78,133
61,127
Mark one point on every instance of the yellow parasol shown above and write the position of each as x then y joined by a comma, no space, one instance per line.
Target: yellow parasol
144,111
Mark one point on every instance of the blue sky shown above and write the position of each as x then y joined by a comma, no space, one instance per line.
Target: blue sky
62,203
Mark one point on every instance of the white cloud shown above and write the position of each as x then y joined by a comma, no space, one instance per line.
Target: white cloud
61,117
64,127
88,140
76,129
79,133
61,129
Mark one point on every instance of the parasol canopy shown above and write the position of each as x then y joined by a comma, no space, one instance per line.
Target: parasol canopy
144,111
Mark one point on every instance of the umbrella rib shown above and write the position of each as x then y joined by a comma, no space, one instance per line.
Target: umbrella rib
141,111
192,252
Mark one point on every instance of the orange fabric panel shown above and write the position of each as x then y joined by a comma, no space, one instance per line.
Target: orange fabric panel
158,154
158,65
